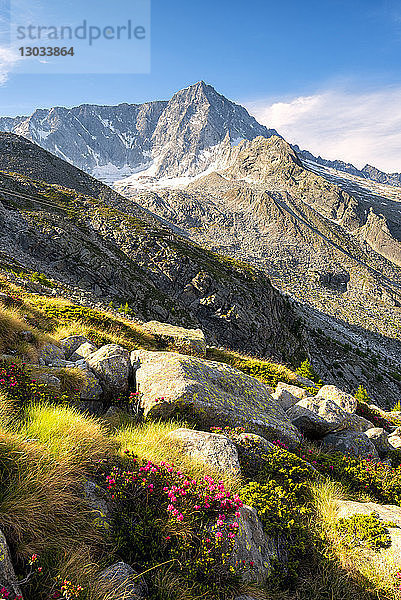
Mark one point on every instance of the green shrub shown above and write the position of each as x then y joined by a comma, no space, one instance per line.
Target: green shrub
306,370
363,530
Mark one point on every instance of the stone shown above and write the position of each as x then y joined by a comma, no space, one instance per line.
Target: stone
305,381
344,400
288,395
187,341
252,545
111,365
379,438
125,582
316,417
216,392
394,441
212,449
50,353
83,351
92,407
49,379
97,500
354,422
349,442
8,578
27,336
92,389
252,451
71,343
61,363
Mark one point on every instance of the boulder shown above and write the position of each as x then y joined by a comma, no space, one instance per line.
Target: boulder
125,582
111,365
288,395
50,353
210,448
71,343
254,552
83,351
379,439
97,500
50,380
394,441
305,381
187,341
92,407
349,442
252,450
8,578
342,399
216,392
316,417
354,422
92,389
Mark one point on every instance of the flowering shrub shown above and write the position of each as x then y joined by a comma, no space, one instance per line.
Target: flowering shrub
162,513
363,530
5,595
21,389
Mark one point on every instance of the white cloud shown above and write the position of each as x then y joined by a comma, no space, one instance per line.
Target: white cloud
8,59
356,127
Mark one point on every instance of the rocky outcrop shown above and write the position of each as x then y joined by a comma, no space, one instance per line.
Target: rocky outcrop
316,417
72,343
124,582
51,354
210,448
288,395
217,393
379,439
341,398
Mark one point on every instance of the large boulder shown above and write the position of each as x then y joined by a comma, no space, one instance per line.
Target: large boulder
316,417
344,400
125,582
210,448
111,365
288,395
187,341
254,552
379,439
350,442
71,343
217,393
96,498
51,353
8,578
92,389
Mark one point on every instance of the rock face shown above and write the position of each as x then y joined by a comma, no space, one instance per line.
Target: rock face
8,578
125,582
187,341
254,549
111,365
349,442
210,448
216,392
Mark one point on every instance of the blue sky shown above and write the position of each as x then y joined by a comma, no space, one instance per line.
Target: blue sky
312,68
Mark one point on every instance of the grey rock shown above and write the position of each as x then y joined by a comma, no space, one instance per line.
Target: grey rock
344,400
186,341
71,343
92,389
218,393
316,417
97,500
8,578
111,365
348,442
125,581
83,351
210,448
252,545
50,353
288,395
379,438
49,379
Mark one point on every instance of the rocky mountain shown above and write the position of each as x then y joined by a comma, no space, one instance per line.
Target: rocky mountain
367,172
174,138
